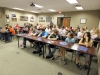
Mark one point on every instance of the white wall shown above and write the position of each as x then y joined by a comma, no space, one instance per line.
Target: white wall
2,21
91,16
18,14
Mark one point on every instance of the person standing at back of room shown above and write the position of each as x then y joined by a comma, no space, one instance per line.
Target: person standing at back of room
51,24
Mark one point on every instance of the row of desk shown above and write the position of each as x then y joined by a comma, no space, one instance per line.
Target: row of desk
92,51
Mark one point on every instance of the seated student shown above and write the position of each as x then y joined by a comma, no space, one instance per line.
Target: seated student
96,34
33,32
9,34
86,41
69,39
48,29
80,34
53,36
86,29
93,31
43,34
62,31
11,30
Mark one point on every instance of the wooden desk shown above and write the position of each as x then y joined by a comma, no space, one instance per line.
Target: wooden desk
92,51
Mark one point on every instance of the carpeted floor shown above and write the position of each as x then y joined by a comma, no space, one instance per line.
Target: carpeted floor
18,61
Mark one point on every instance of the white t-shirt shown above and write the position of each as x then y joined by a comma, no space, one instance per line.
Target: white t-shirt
48,30
62,32
80,35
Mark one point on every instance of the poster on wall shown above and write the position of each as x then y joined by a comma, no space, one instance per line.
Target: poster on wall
48,19
83,21
41,19
32,19
23,18
13,15
7,18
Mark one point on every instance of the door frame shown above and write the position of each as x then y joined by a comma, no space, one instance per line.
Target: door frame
63,17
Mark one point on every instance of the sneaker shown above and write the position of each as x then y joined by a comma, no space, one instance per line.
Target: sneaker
57,57
48,57
52,58
78,66
64,62
40,53
36,52
85,67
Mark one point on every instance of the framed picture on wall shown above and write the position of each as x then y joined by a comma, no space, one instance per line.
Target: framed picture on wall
40,18
23,18
13,15
48,19
32,19
7,16
83,21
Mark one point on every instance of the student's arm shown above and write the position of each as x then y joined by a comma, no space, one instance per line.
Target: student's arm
88,44
39,34
45,35
50,35
80,42
52,38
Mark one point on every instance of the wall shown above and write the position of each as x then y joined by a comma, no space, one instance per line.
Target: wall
91,16
2,22
18,14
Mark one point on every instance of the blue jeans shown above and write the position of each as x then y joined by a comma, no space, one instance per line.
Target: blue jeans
51,53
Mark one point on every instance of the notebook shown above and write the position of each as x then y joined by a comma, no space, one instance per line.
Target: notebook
63,43
83,48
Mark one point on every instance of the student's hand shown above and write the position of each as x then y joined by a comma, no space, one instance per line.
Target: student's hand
48,38
86,39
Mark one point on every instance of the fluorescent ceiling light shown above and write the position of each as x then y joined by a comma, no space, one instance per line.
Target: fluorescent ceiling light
72,1
18,8
51,10
79,8
36,5
35,11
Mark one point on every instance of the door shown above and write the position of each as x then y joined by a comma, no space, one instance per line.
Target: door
66,22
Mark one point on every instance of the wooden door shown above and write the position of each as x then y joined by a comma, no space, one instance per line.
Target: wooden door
66,22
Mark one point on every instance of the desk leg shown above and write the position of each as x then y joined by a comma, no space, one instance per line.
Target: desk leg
98,47
43,50
89,64
18,42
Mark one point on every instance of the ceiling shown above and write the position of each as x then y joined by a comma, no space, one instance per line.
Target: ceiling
58,5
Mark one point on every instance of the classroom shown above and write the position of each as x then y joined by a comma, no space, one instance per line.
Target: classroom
50,37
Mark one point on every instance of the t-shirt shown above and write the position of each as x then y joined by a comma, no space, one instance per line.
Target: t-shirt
44,34
12,31
72,40
54,36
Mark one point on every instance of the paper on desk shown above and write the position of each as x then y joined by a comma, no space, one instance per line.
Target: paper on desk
63,43
82,48
50,41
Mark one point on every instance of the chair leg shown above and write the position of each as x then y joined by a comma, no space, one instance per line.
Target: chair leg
45,48
72,57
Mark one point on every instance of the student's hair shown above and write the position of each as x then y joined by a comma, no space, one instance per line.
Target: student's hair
43,29
55,31
71,34
10,26
88,35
